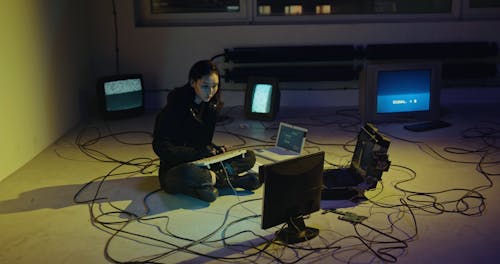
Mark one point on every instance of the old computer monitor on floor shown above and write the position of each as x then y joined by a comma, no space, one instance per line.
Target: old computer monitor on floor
292,190
121,96
262,98
402,92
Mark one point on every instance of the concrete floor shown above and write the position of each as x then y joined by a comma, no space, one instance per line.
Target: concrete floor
129,220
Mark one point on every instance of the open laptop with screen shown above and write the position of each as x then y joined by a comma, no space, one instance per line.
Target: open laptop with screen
289,143
369,161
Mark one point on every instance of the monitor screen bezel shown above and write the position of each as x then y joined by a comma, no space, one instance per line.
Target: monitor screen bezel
275,98
120,113
369,91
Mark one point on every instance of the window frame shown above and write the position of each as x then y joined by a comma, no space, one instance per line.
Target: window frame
248,15
144,16
356,18
479,13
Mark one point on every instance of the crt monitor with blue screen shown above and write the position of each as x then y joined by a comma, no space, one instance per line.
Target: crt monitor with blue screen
400,92
262,98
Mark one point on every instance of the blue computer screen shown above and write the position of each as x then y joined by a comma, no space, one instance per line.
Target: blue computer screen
403,91
261,100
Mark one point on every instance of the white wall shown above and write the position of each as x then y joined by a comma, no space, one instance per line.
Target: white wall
43,67
164,54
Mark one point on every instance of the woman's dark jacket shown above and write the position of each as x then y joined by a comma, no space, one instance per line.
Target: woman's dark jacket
184,130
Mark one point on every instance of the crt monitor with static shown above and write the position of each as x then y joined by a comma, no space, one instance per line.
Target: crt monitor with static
121,95
262,98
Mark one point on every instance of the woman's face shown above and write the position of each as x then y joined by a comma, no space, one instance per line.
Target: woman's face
205,87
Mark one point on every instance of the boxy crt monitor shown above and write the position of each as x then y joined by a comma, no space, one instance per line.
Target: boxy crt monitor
400,92
292,190
262,98
121,95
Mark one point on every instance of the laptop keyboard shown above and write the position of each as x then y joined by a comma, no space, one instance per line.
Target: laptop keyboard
206,162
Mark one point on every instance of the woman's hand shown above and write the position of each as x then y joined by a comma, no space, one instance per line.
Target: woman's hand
215,150
223,149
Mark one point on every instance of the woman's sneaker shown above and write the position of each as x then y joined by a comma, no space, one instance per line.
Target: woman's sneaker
207,193
249,181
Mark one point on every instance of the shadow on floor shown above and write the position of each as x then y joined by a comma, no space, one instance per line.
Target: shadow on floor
142,192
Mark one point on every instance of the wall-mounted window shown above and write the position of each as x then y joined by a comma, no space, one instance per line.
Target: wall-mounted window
191,12
326,11
194,6
334,7
481,9
483,3
227,12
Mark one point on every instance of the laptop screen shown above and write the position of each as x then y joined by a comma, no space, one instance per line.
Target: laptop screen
291,137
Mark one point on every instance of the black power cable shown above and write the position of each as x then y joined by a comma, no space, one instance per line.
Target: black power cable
117,50
471,202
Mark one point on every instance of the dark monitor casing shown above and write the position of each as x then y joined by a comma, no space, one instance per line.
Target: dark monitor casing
369,89
370,144
274,98
292,189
